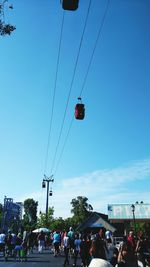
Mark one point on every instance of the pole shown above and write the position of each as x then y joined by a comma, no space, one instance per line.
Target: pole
47,180
133,211
47,200
134,224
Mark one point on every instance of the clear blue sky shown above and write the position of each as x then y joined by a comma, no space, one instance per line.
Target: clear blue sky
107,155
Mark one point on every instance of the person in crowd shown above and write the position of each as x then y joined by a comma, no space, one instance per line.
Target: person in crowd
98,248
126,256
84,253
47,241
147,251
51,242
114,258
41,241
85,246
93,235
108,235
131,240
88,244
66,245
30,238
13,242
110,248
123,257
77,244
8,241
141,248
71,235
56,243
124,241
24,250
18,246
2,241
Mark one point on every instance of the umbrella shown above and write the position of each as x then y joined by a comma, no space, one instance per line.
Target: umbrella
42,229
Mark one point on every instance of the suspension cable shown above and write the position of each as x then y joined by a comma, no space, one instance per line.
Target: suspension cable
95,45
64,144
85,78
69,94
54,94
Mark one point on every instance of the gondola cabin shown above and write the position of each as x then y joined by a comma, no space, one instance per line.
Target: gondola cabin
43,184
70,4
79,111
50,193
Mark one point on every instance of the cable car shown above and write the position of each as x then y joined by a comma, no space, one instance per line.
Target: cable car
79,110
43,184
50,193
70,4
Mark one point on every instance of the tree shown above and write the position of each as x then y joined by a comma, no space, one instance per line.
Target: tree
58,223
70,222
141,226
81,209
30,216
46,222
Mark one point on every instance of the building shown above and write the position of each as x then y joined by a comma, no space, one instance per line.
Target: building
12,214
95,222
121,215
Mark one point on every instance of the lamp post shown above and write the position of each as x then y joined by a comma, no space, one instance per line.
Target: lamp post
133,212
45,182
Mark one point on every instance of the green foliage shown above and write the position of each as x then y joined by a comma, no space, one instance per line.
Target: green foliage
146,226
81,209
51,222
143,227
30,216
54,223
70,222
46,222
58,224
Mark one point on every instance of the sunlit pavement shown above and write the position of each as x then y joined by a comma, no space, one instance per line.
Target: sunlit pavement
44,259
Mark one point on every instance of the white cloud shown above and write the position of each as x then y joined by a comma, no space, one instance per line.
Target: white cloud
101,187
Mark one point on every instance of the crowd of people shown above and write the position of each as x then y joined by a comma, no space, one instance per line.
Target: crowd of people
93,249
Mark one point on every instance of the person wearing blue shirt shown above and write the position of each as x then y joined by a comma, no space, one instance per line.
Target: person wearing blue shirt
56,243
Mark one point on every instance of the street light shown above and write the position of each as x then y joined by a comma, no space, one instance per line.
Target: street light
46,181
133,211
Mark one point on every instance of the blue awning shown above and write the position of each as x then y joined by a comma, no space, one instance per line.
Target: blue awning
96,225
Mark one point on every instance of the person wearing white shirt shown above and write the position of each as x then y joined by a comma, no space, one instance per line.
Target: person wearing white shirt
2,241
66,244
